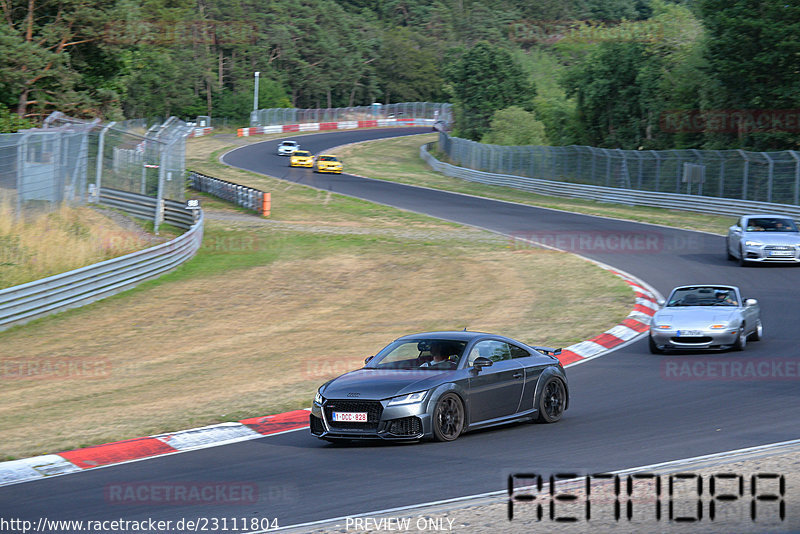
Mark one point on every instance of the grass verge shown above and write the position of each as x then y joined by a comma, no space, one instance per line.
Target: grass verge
38,245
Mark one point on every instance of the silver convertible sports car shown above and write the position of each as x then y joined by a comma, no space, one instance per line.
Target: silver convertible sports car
705,317
763,238
438,385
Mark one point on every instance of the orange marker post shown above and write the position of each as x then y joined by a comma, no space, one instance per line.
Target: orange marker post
266,205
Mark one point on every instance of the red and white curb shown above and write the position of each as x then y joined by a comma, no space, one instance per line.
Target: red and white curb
27,469
38,467
325,126
635,324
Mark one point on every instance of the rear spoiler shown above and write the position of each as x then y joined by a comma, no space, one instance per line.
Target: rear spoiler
549,351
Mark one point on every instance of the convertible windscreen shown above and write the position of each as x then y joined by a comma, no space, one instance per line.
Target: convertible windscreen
432,354
703,296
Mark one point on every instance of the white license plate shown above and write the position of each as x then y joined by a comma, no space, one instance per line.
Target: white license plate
781,253
689,333
350,417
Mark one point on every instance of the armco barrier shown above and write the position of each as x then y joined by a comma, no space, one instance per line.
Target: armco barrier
144,207
716,205
325,126
246,197
72,289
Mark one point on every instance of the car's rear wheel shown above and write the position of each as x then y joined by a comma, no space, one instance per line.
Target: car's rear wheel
552,401
653,347
758,333
448,418
741,339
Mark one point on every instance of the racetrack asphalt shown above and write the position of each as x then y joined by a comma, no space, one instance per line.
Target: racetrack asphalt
627,409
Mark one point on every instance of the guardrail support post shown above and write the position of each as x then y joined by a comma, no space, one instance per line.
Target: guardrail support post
98,176
796,177
745,172
771,169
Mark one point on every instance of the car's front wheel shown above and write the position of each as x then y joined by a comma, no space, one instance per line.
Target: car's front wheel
741,339
758,333
728,250
742,262
448,418
552,401
653,347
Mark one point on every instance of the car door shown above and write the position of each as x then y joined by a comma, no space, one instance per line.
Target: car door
494,391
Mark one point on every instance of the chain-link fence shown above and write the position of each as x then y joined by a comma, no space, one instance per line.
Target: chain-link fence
405,110
760,176
68,160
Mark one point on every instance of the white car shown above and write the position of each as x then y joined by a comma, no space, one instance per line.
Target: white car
768,238
286,148
705,317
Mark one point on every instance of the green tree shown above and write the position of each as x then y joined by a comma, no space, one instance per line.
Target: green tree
753,55
515,126
483,80
407,68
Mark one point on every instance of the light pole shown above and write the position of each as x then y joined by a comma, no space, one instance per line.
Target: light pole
255,93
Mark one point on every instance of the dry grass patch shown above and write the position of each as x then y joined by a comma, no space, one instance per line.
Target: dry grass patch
37,245
260,340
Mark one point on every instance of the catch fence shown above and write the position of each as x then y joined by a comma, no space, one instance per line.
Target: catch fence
772,177
71,160
404,110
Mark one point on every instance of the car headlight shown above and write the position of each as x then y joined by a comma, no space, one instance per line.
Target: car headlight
411,398
718,326
318,398
663,326
751,243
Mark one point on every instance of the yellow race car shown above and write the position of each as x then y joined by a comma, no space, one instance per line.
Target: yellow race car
301,158
327,163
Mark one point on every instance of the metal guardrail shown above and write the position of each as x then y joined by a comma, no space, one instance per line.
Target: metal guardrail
144,207
703,204
243,196
72,289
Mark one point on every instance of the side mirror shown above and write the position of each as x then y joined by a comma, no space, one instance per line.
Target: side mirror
661,303
750,302
368,359
481,362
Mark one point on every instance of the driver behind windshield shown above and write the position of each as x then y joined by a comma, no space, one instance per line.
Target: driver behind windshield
437,353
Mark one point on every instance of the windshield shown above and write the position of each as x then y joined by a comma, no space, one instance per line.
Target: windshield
770,224
433,354
301,153
328,158
703,296
289,143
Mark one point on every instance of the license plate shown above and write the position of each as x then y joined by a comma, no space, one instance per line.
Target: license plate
350,417
781,253
688,333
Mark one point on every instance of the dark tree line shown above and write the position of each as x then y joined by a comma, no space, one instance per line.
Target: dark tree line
598,72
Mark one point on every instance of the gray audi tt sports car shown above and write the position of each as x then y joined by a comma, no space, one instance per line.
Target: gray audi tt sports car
705,317
438,385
